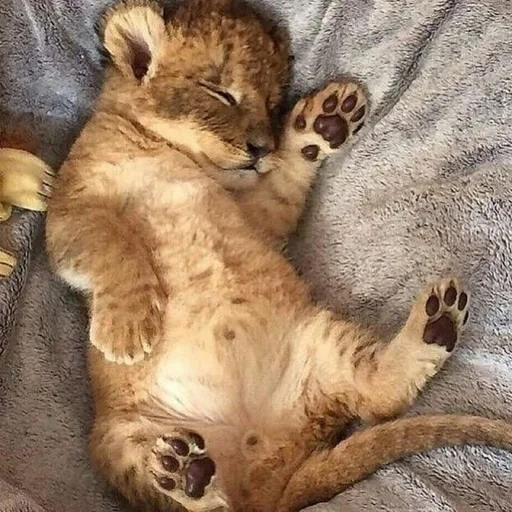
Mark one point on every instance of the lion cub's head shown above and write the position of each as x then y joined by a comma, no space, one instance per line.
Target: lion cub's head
209,79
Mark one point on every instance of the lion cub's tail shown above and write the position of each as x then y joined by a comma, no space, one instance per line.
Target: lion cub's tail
329,472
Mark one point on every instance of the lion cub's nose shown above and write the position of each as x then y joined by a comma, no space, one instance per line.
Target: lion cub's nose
258,151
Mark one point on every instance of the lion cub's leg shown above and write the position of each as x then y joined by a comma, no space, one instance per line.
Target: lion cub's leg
150,466
374,379
100,252
319,125
388,377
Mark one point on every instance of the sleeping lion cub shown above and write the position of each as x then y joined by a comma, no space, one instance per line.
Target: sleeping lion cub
218,383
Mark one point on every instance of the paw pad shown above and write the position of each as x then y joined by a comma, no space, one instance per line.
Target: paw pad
349,103
182,464
330,104
446,309
450,296
358,115
166,483
179,446
463,300
310,152
199,475
333,129
432,306
300,122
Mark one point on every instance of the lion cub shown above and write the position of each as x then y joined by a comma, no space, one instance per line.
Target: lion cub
218,384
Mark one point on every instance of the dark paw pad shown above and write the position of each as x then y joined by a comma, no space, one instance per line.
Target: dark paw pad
311,152
330,104
170,463
450,296
179,446
300,123
442,331
197,440
333,129
446,309
198,476
432,306
359,114
463,301
169,484
349,103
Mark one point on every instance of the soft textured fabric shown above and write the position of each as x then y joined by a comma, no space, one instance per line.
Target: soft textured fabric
426,190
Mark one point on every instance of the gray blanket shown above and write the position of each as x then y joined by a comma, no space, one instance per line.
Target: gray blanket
426,191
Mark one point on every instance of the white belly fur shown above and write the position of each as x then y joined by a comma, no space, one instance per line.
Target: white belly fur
256,378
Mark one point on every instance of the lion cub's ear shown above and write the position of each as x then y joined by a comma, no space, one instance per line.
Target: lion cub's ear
134,34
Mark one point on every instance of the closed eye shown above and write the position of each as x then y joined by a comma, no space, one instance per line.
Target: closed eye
219,93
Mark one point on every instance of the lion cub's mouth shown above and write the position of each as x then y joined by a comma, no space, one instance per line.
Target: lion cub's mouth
248,165
251,165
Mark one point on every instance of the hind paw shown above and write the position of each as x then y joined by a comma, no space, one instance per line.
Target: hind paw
183,470
420,349
323,121
446,309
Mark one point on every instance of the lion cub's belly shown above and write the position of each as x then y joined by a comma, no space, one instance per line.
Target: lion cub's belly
232,364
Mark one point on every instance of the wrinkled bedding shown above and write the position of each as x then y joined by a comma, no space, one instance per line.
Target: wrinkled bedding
426,190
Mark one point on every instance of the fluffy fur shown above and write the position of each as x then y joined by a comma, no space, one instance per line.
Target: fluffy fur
218,384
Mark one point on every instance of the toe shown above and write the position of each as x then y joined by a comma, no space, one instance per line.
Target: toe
330,103
300,123
197,440
450,295
463,301
170,463
432,305
360,113
166,483
179,446
349,103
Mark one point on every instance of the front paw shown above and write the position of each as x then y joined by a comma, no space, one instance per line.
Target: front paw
324,121
127,321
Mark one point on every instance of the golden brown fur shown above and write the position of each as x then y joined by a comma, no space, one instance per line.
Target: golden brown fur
202,331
